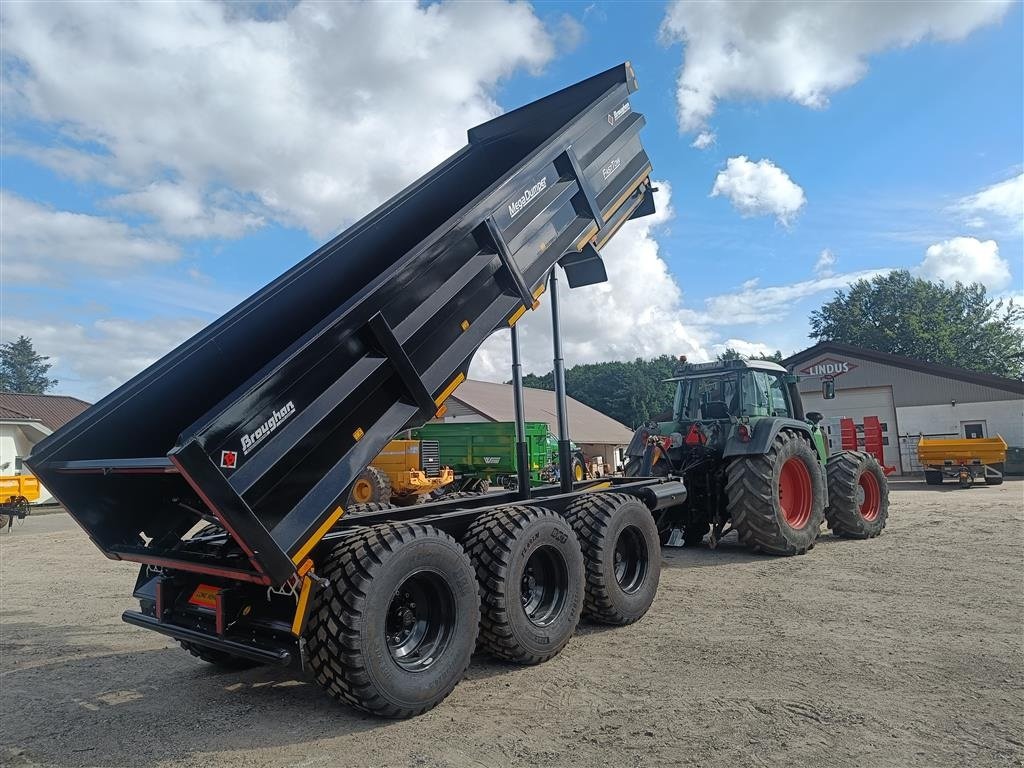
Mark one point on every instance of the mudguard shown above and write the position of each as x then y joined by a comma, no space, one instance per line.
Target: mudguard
765,430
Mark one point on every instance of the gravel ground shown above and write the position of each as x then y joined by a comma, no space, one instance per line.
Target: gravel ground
907,650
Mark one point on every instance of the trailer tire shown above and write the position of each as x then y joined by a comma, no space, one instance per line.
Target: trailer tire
933,477
858,495
622,555
529,569
755,488
394,631
352,510
219,658
370,486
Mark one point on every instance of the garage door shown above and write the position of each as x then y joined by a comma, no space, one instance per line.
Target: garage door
856,404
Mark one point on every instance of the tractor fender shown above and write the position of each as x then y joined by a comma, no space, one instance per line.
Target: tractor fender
765,430
638,443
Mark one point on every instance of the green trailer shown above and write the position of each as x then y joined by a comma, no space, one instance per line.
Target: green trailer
485,452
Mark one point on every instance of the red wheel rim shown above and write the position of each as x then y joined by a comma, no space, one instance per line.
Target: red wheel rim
795,493
869,496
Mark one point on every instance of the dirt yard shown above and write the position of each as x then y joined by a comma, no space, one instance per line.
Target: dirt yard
907,650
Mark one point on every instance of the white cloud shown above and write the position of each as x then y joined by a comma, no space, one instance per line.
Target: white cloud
1004,200
637,313
310,118
758,189
704,140
40,243
967,260
801,51
744,347
753,304
182,211
823,266
92,359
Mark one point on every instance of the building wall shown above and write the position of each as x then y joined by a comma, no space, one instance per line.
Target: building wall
1004,418
909,387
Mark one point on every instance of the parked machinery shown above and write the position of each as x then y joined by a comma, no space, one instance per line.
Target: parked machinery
17,492
404,473
964,460
754,462
224,467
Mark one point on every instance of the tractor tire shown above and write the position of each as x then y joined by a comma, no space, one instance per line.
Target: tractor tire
530,573
693,535
632,468
933,477
579,470
371,506
777,500
410,500
394,631
371,485
220,659
989,480
622,556
858,495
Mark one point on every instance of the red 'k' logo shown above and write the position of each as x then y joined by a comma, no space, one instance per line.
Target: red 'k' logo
228,459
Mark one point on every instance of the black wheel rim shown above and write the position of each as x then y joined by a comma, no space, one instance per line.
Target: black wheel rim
543,586
630,559
420,621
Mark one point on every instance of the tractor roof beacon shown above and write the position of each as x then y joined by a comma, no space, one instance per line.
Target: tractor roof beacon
224,468
754,462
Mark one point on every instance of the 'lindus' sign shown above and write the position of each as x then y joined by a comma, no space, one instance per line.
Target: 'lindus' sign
829,366
516,206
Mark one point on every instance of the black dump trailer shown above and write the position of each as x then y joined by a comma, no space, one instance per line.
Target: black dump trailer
223,467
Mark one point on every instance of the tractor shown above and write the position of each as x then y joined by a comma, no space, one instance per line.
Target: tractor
754,462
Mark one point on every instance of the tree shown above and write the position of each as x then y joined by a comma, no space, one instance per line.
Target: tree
957,325
732,354
22,369
630,392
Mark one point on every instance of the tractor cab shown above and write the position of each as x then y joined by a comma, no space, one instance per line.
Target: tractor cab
735,390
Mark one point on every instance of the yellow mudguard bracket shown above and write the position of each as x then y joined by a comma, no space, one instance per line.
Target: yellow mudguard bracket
313,540
302,609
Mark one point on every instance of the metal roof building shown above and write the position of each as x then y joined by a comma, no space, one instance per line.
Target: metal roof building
595,433
27,419
910,397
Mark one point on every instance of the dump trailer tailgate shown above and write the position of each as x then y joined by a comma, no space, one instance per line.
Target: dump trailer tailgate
262,421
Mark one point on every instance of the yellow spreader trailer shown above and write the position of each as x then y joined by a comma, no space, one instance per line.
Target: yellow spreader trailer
16,493
964,460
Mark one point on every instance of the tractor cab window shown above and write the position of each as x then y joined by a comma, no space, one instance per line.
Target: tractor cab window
755,388
778,395
764,394
707,398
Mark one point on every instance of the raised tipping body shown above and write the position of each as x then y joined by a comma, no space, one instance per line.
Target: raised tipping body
260,422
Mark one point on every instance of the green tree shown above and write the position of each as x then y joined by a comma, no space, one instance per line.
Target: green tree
732,354
957,325
24,370
630,392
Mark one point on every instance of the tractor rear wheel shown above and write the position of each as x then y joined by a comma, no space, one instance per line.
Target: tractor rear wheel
622,555
777,499
371,485
858,495
394,631
529,568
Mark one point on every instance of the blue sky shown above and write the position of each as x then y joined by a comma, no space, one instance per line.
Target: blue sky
150,185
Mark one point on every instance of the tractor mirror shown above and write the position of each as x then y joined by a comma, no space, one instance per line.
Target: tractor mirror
828,389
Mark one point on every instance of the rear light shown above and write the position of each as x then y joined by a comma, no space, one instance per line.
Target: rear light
744,433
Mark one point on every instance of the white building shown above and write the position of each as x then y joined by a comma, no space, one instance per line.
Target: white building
27,419
910,397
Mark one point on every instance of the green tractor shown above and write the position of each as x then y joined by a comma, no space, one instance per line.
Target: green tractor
754,462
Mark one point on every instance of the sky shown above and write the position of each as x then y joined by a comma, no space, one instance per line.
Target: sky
160,162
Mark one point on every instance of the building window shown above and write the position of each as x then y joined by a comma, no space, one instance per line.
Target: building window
974,429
